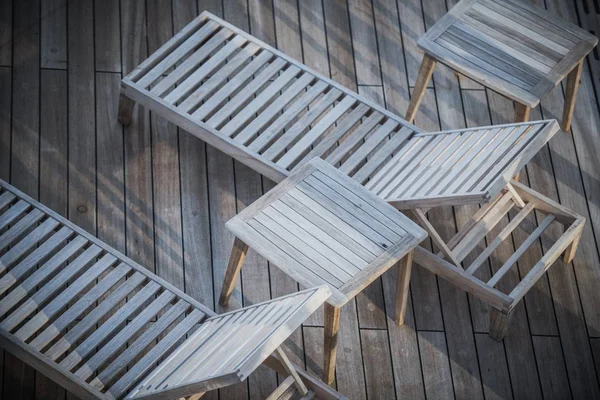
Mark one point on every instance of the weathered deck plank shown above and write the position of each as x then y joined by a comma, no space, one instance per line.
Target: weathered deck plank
163,196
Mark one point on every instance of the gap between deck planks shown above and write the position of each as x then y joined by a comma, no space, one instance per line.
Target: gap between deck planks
127,181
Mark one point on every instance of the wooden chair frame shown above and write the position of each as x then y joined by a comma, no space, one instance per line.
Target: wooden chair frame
476,21
255,110
63,312
447,263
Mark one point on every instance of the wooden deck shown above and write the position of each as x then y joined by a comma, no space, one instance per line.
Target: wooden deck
162,196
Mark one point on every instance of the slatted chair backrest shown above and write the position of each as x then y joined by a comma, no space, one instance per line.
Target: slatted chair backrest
97,323
257,104
459,166
228,347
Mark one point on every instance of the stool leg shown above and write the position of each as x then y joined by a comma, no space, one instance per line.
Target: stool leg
522,112
499,324
402,286
332,326
236,260
571,95
125,109
425,72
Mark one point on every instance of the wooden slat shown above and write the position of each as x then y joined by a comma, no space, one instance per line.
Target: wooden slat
175,54
481,228
423,167
183,352
308,260
19,272
505,62
41,296
77,309
251,88
149,359
365,201
335,219
507,230
470,140
438,167
351,214
354,138
113,323
89,321
334,260
6,198
486,66
342,128
269,113
230,87
265,138
65,297
270,93
186,86
546,261
515,45
12,213
24,245
340,243
134,349
396,143
191,62
119,340
346,237
374,140
296,151
402,166
302,124
20,227
522,249
547,31
166,49
33,258
502,156
495,148
214,81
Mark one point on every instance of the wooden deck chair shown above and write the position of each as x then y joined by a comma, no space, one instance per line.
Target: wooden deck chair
104,327
274,114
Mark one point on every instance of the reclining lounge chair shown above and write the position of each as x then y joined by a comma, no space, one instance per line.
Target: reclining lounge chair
104,327
274,114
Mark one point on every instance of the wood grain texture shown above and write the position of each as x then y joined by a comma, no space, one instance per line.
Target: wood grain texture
566,173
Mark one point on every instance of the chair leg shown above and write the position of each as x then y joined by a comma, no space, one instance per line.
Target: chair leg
571,250
499,324
425,72
125,109
402,287
195,396
571,95
332,326
236,260
289,368
522,112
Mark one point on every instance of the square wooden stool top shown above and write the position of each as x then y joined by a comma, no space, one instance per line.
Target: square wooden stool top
520,51
321,227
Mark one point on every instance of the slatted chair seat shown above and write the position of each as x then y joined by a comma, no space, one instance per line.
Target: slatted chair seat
99,324
274,114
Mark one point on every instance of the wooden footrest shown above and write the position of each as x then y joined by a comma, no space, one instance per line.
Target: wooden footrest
522,206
